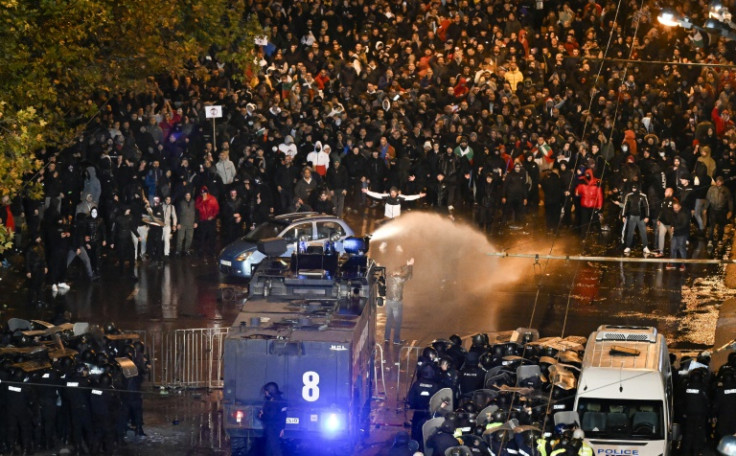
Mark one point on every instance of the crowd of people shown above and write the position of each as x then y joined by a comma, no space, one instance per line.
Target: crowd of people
492,108
82,395
514,397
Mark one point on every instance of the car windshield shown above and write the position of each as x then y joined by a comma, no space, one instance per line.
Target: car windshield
621,419
264,231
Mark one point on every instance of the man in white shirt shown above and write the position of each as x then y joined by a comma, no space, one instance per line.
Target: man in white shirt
393,200
225,168
288,148
170,223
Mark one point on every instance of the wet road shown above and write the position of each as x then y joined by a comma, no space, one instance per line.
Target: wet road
456,288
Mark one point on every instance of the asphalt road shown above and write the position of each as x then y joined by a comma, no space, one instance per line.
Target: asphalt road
457,288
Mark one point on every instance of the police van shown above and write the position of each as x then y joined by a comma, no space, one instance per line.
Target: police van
625,395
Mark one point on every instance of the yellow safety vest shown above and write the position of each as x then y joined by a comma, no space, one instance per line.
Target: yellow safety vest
585,450
542,447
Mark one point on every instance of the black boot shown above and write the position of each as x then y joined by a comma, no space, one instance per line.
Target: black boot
139,432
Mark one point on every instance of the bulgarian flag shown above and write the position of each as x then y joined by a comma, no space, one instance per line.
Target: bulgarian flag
546,150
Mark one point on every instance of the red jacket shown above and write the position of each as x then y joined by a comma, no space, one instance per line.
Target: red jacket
590,193
207,208
722,125
8,220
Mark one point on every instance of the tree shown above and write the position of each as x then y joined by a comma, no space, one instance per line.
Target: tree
56,55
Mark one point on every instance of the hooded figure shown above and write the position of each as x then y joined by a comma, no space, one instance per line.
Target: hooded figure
319,159
91,186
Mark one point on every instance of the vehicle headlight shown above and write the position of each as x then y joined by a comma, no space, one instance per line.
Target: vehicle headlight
244,256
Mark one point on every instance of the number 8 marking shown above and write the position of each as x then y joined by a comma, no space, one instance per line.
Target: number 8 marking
310,391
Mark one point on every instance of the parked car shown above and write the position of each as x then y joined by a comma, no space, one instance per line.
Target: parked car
240,257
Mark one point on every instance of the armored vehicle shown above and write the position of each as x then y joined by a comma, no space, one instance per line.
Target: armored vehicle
309,326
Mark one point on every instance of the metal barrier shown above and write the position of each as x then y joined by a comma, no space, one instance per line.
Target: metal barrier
408,358
186,358
379,364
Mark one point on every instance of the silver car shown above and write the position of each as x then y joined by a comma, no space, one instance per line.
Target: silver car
239,258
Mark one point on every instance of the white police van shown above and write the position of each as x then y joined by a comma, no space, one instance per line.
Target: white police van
624,395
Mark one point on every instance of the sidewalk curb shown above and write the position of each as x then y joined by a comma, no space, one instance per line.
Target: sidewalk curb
730,277
725,332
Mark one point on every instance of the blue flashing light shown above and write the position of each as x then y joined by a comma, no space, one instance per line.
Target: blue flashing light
353,245
332,423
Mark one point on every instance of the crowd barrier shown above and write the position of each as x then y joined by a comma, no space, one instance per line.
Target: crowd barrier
185,358
193,358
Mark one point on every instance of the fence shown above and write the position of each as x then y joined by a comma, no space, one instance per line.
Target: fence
408,358
193,358
186,358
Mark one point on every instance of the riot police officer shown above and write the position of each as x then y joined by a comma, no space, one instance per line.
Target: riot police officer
77,394
104,404
578,443
47,396
443,439
17,410
428,357
418,399
696,407
724,402
479,343
273,417
447,376
456,351
471,375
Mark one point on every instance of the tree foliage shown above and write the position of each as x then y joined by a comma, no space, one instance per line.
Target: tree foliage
56,55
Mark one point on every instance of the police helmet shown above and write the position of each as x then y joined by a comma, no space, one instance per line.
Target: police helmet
487,361
449,424
479,430
66,364
101,359
89,356
82,369
704,357
111,328
499,416
732,359
470,408
441,345
480,340
561,428
17,374
696,376
140,347
578,434
456,340
727,373
272,389
498,350
727,446
513,349
430,354
104,380
129,351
